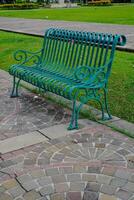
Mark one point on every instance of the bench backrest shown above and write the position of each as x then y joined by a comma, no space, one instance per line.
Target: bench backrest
71,49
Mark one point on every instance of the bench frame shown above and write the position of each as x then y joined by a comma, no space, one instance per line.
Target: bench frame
90,91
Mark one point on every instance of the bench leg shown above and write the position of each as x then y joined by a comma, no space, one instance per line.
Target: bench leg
14,92
106,106
74,118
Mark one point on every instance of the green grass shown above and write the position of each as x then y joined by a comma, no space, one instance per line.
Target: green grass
120,14
121,83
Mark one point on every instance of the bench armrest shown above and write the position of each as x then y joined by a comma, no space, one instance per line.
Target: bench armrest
23,56
90,76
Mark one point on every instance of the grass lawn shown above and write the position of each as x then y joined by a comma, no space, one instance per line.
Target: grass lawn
121,83
120,14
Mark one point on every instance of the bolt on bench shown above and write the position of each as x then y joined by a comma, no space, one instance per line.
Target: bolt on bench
75,65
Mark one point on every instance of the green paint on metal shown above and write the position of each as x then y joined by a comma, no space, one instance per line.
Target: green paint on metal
72,64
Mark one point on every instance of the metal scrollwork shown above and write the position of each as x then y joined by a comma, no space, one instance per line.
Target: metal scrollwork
83,73
25,56
21,56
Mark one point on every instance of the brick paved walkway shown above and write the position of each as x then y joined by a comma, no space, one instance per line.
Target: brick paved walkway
27,113
95,163
37,27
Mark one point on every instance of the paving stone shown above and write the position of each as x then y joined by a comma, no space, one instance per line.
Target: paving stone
59,179
58,157
121,173
2,189
103,179
94,170
131,178
61,187
73,177
107,197
52,171
100,145
66,170
79,169
30,185
77,186
6,163
37,173
10,184
24,178
58,196
32,195
89,177
56,131
90,195
44,198
28,161
92,186
21,141
110,171
16,191
5,197
73,196
129,187
45,181
108,189
123,194
118,182
43,161
123,152
48,189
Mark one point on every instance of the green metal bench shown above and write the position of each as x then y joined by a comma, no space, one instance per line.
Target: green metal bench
75,65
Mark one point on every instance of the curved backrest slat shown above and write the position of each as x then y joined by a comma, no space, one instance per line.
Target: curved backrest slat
71,49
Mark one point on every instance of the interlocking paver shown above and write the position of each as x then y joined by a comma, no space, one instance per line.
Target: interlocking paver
45,181
108,189
73,195
59,179
5,197
77,186
107,197
118,182
58,196
92,186
103,179
24,178
52,171
62,187
73,177
90,195
30,185
16,191
31,195
129,187
89,177
10,184
48,189
123,194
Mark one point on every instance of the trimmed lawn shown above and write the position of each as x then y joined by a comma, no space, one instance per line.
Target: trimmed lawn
120,14
121,83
